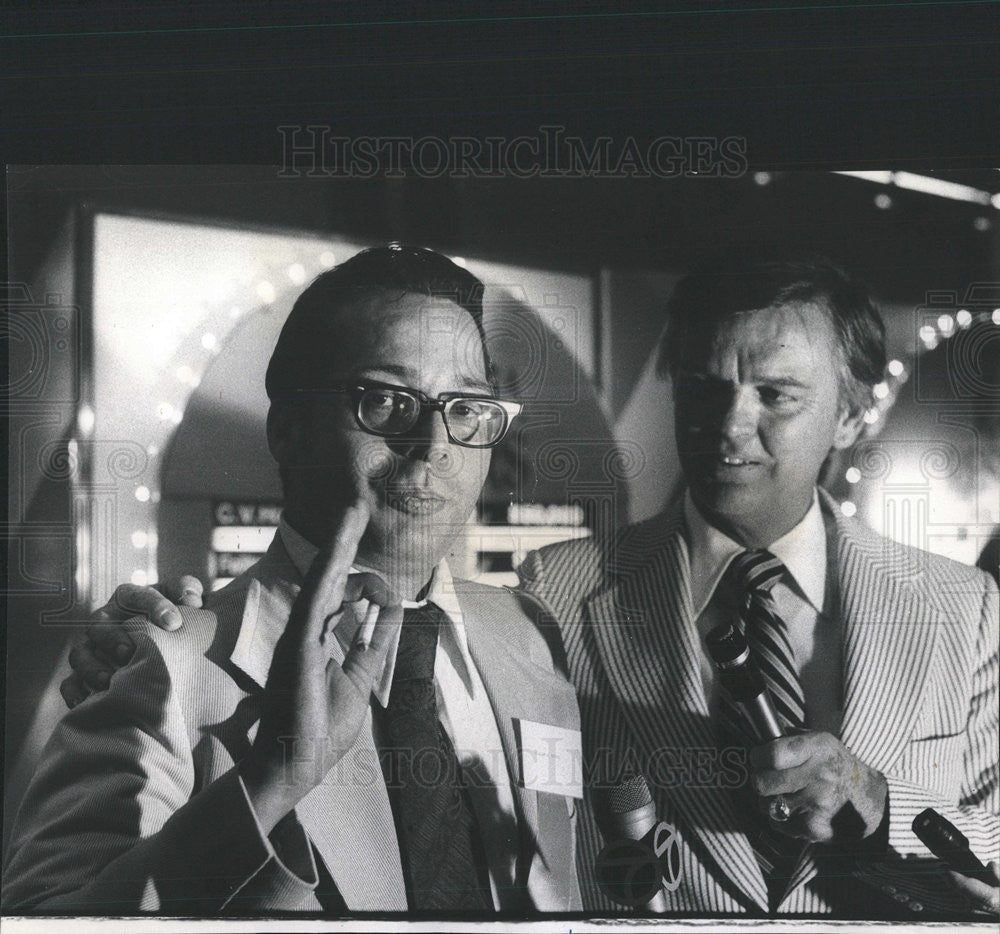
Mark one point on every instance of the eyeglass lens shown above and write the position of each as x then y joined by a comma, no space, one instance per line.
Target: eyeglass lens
470,421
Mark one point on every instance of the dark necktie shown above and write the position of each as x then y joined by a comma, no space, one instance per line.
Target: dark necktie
755,573
439,843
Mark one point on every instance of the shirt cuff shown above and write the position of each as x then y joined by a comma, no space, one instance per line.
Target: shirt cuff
288,843
877,844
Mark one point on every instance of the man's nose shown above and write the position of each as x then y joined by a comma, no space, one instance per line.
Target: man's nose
739,419
427,440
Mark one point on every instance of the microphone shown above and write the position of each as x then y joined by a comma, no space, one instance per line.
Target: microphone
950,845
630,869
743,681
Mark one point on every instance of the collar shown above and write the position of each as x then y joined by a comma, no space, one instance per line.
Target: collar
802,550
441,593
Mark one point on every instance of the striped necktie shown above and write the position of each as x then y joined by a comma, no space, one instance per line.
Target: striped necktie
767,635
755,573
440,848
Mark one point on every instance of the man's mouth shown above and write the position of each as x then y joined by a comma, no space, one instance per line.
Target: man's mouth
730,461
415,503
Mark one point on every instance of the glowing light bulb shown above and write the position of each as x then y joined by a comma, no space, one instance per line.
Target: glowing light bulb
853,475
896,367
142,494
266,292
85,419
848,508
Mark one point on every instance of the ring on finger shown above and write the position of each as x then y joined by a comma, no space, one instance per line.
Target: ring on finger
778,809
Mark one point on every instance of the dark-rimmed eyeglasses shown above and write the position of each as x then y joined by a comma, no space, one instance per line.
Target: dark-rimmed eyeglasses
471,421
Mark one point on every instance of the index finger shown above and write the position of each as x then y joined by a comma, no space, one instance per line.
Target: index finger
323,589
769,782
130,600
786,752
186,590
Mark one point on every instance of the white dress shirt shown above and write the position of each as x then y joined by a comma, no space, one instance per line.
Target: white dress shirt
801,597
465,713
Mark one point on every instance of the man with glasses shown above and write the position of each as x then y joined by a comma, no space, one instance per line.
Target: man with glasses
345,727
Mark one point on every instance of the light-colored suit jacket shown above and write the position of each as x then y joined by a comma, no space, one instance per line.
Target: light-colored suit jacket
919,700
136,805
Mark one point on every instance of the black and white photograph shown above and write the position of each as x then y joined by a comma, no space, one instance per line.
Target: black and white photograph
648,571
544,530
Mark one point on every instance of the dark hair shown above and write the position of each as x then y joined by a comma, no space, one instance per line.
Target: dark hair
700,302
300,357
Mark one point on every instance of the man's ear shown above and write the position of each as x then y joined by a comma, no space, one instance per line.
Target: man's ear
852,419
284,434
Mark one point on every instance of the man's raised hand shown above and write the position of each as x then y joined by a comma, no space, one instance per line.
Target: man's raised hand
310,698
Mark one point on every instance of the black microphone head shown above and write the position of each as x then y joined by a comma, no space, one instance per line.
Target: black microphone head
738,674
628,795
938,834
726,644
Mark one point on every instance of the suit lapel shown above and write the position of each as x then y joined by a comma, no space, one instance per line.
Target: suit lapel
649,645
347,816
519,687
889,634
890,631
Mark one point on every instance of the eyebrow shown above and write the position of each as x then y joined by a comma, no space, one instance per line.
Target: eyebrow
782,381
787,381
406,374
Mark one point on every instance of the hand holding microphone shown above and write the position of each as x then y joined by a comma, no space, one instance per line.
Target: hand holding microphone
806,778
742,680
